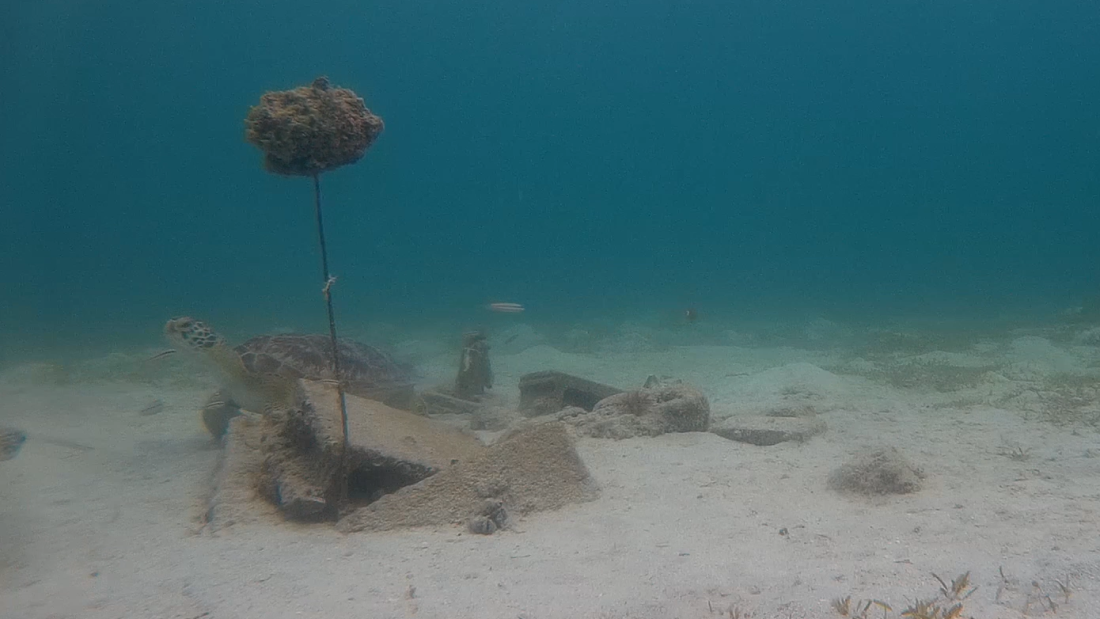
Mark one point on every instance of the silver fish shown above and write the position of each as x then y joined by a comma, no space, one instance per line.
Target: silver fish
505,308
161,355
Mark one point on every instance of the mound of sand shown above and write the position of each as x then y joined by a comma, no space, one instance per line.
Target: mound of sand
534,469
877,472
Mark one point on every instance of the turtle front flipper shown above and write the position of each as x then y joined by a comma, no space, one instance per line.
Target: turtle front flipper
217,412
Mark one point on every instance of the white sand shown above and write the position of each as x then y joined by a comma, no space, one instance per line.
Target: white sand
687,525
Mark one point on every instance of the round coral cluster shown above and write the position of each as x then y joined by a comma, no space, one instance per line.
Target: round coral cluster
311,129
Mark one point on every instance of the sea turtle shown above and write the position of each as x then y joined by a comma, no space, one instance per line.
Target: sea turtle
11,441
262,373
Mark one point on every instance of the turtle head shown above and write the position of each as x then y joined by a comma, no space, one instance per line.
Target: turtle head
195,339
192,336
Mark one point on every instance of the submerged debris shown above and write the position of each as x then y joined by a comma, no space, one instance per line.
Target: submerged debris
643,412
475,373
878,472
490,518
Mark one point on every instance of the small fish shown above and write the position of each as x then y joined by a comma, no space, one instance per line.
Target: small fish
691,315
161,355
11,441
152,408
505,308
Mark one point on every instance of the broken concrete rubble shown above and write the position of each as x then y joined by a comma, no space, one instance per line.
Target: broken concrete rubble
668,407
545,393
405,469
533,469
300,449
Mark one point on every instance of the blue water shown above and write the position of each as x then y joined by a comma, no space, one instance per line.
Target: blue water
588,159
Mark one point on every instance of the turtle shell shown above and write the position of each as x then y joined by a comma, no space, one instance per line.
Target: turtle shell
364,370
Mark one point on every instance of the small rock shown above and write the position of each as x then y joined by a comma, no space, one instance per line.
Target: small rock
482,525
644,412
489,519
765,430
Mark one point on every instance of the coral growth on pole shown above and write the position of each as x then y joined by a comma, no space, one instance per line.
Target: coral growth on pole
311,129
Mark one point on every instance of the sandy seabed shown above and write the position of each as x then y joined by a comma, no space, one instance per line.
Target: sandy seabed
101,513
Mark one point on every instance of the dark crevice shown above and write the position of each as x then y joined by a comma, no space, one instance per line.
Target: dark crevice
368,482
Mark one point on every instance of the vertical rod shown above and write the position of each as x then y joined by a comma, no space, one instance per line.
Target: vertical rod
332,334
